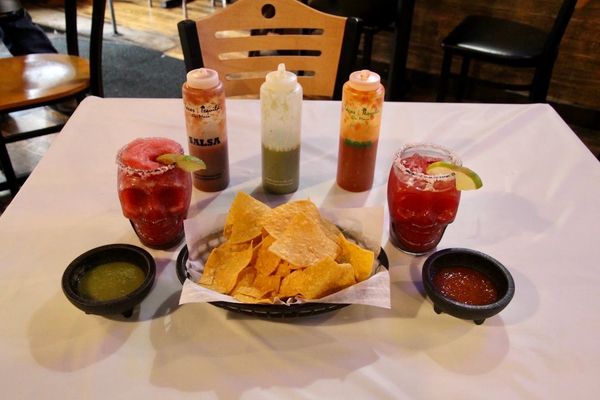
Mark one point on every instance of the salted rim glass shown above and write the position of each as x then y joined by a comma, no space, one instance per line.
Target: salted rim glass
425,149
143,173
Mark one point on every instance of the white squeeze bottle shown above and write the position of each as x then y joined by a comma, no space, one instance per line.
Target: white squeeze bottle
281,111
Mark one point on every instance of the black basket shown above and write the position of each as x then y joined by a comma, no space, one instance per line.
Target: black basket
271,311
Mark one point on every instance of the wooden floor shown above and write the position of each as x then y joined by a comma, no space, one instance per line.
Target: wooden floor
156,27
136,15
152,27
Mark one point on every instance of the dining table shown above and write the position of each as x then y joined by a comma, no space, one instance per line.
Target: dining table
538,213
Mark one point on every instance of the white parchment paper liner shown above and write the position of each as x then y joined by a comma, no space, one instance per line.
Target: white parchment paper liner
364,224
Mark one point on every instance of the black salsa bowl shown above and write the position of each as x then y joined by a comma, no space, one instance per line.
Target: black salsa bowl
483,263
124,305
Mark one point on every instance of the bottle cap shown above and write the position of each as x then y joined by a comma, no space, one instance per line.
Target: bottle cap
281,79
202,78
364,80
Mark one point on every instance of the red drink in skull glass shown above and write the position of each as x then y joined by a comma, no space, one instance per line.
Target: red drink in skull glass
420,205
155,197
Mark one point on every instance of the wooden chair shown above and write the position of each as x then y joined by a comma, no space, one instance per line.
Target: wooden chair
38,80
249,38
509,43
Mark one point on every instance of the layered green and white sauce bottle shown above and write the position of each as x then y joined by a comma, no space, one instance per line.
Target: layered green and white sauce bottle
281,114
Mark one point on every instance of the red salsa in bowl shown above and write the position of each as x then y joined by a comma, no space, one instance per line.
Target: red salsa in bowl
467,284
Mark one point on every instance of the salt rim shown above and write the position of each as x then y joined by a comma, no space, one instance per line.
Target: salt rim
430,178
142,173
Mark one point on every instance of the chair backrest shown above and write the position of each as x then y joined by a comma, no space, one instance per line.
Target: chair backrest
374,14
559,27
379,13
249,38
97,29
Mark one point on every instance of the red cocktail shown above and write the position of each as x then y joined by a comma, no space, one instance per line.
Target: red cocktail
155,197
421,205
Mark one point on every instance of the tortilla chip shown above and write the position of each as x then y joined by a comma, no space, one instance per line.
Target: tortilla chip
242,223
266,261
304,243
223,267
266,284
250,299
245,279
276,220
283,269
318,280
361,259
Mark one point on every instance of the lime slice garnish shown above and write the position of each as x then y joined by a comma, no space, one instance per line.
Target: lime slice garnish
466,179
185,162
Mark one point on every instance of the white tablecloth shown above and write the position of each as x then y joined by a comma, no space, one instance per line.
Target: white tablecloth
538,213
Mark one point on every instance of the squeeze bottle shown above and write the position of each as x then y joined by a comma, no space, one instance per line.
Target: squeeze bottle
281,110
206,125
362,103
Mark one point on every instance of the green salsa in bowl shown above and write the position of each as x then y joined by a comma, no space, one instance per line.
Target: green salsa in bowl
109,279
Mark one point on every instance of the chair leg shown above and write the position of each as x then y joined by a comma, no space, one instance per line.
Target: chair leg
113,18
540,85
367,48
463,79
7,168
444,76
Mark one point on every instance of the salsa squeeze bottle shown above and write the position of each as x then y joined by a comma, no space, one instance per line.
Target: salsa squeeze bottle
281,110
205,120
362,103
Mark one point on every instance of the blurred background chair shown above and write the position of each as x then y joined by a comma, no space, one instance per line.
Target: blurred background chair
246,40
376,15
379,16
508,43
38,80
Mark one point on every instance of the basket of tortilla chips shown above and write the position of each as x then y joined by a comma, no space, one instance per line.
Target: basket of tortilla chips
277,262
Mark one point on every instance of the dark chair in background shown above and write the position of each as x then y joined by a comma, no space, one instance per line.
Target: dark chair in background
508,43
254,37
379,15
376,15
38,80
397,85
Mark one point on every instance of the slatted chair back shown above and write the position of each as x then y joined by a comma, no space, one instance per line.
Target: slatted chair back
249,38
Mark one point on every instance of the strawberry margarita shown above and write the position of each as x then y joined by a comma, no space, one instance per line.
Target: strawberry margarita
155,197
420,205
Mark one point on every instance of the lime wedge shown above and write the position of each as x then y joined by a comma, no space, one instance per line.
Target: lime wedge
185,162
466,179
